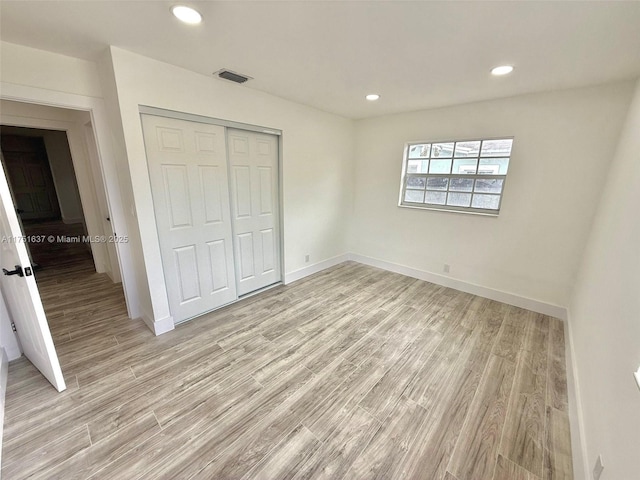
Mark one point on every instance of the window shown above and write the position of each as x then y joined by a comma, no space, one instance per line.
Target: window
465,176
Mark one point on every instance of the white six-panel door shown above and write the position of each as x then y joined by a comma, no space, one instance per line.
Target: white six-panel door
20,292
253,165
189,181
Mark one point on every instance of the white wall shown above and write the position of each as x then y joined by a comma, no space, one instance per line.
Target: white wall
22,65
143,308
317,152
64,176
9,350
564,142
604,320
8,338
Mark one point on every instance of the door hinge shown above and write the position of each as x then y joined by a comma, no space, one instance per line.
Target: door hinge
13,327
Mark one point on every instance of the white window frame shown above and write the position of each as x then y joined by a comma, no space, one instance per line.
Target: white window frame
451,208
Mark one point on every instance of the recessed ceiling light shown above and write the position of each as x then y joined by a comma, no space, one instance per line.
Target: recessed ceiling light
502,70
186,14
372,97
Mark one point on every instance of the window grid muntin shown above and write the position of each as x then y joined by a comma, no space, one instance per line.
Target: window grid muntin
448,189
450,176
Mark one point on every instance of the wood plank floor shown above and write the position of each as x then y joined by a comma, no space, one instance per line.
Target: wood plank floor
352,373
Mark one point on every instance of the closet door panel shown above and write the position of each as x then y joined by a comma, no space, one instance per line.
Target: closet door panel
253,159
190,187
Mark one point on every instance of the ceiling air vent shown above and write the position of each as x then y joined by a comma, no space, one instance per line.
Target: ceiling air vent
232,76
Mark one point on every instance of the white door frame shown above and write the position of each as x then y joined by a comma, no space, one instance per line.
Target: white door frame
106,157
84,179
162,112
102,203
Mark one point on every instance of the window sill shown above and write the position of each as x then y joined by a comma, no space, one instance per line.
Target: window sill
451,210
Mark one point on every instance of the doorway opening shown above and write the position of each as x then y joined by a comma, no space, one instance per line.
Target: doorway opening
59,195
45,192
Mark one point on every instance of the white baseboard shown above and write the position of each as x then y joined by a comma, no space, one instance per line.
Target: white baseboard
486,292
315,268
164,325
158,327
576,418
4,375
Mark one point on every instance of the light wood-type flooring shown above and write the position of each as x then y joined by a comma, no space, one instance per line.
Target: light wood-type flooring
351,373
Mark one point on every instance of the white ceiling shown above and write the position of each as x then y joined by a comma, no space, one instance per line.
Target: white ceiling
330,54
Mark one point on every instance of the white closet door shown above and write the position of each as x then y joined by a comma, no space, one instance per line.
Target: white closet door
253,161
189,181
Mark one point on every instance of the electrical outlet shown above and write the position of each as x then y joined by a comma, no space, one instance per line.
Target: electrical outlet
446,268
597,470
306,259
